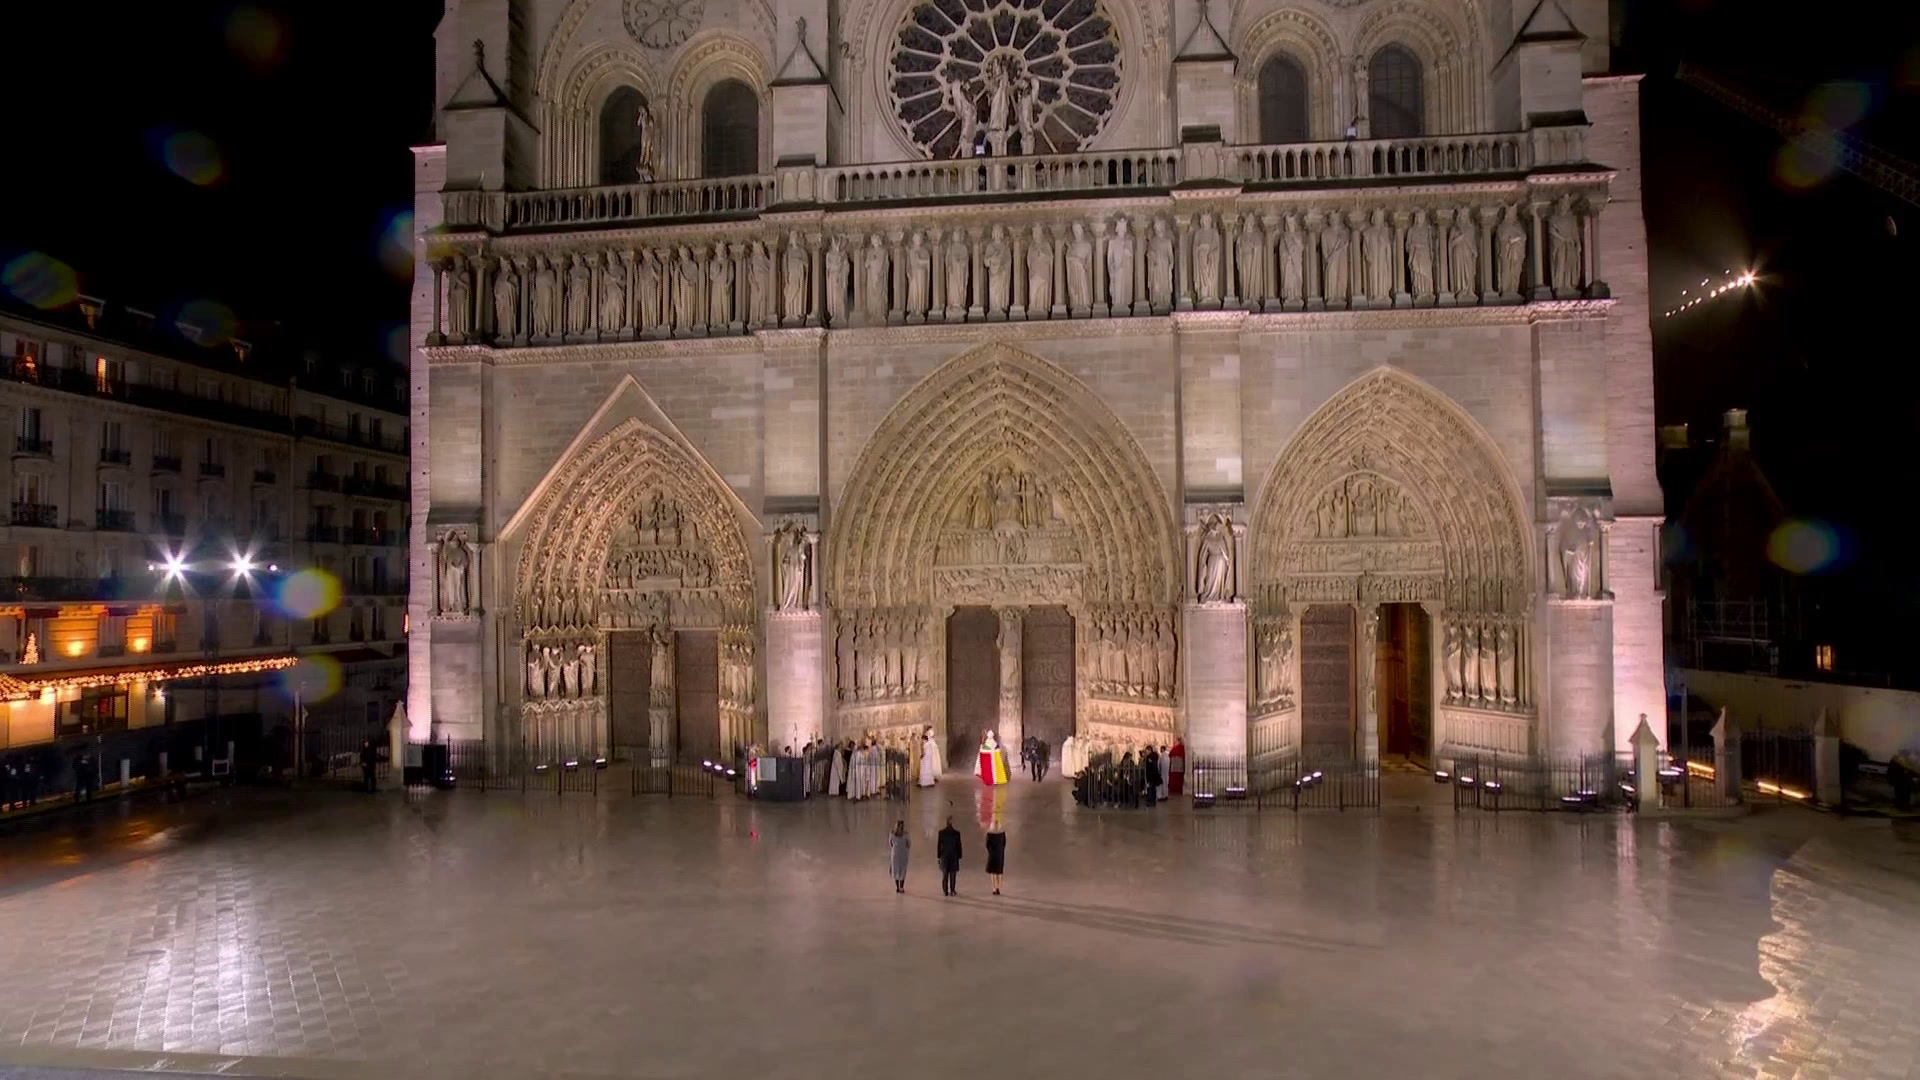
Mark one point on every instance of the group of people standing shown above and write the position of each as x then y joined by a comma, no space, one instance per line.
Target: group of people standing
947,851
854,771
1158,774
1036,757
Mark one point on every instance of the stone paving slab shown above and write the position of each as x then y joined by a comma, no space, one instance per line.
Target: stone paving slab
478,934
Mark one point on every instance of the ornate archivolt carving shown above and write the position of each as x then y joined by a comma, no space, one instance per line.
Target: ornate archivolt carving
631,520
1002,436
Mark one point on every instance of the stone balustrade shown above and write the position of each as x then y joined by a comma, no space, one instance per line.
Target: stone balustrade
1136,253
1451,156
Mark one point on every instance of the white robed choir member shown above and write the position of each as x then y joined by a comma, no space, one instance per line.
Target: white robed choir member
839,774
929,759
1067,763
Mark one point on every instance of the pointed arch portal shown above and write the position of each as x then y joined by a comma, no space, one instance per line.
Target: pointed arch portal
1003,483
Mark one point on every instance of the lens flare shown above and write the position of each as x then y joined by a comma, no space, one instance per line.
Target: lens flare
193,157
1804,547
41,280
314,678
396,244
1808,161
399,344
257,37
309,594
206,322
1839,104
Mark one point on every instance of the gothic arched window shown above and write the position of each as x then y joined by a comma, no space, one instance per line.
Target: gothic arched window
1283,101
1395,101
730,130
620,137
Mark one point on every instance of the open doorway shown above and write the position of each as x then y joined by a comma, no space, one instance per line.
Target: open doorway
1327,685
629,692
973,679
1404,667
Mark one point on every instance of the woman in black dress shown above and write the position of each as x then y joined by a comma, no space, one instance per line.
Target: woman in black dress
996,854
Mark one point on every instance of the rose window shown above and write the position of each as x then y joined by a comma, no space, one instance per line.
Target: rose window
1004,76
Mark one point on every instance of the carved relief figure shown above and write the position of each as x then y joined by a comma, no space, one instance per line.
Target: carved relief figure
966,110
686,292
1164,658
1079,269
791,557
1575,538
1293,263
1377,244
1160,265
1206,261
793,278
452,555
1039,272
579,297
613,297
1253,257
1420,255
649,277
1213,581
661,661
919,272
1563,244
719,288
546,299
1509,667
506,302
1463,256
844,660
1510,242
1450,662
875,282
1489,664
1120,267
760,284
459,299
957,258
1369,648
838,268
536,673
1334,279
998,261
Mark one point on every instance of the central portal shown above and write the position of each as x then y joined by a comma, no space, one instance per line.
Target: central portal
1010,670
1334,689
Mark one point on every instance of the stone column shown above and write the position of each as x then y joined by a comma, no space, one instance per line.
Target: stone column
1017,287
1443,257
937,283
1366,680
1726,758
1488,287
660,698
1099,303
1590,245
1142,234
1061,235
1542,289
1011,678
1182,266
818,291
478,328
1402,294
439,292
1310,262
977,309
1230,261
897,307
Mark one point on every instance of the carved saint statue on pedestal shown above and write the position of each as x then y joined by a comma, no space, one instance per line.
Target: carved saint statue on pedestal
1213,579
451,557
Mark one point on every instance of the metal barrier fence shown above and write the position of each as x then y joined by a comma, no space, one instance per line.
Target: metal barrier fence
1778,765
1599,782
520,767
1284,784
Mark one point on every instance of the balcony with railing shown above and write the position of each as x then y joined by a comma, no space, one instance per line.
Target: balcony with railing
212,470
33,515
69,589
32,446
312,428
113,520
77,381
365,488
166,463
321,480
115,455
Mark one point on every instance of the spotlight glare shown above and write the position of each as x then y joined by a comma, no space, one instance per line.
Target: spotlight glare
242,564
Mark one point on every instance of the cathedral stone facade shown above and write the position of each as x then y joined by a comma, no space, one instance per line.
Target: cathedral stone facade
1274,376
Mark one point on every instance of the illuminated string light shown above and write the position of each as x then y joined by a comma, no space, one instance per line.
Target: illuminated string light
17,689
1708,291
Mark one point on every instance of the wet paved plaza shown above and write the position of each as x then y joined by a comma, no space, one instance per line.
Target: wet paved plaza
327,934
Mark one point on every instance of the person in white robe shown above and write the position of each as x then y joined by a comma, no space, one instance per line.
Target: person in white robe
1067,764
929,759
839,774
1166,768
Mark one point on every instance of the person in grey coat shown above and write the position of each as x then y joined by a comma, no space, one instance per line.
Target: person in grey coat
897,844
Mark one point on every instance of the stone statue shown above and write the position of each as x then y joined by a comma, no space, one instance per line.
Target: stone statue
613,297
1206,261
791,554
844,660
1039,272
793,278
452,554
579,297
1575,539
1450,661
1160,265
551,672
1369,648
1509,666
1335,284
760,285
649,287
719,288
1079,269
587,677
1563,243
1377,244
1489,667
1463,253
1163,657
459,299
922,658
536,673
838,268
919,273
1266,663
649,165
1213,579
966,112
1510,245
1293,264
1251,255
1026,115
546,299
997,260
1120,267
661,660
506,302
1283,663
686,291
874,280
957,258
999,106
1420,255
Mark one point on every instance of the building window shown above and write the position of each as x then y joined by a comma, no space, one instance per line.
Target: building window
26,563
109,376
109,563
112,436
1395,98
730,130
97,710
1283,101
25,359
620,137
29,489
30,429
373,431
1823,657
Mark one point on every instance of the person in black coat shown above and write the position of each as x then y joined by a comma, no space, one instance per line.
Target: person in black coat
996,855
947,852
1150,766
369,759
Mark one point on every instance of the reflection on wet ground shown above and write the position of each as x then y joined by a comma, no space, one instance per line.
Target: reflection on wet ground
326,933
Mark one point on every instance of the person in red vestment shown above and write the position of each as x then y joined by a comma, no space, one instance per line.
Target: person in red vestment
1176,767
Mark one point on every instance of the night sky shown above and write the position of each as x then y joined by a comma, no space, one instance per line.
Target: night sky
258,157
